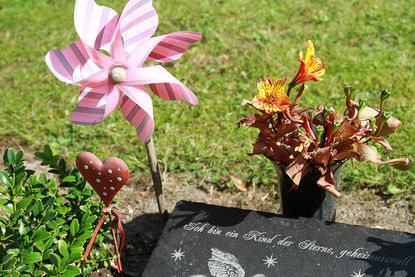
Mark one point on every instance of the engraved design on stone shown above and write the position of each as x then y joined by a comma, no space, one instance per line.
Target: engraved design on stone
358,274
270,261
177,254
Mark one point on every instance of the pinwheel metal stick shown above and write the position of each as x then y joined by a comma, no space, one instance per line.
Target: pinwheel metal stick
155,174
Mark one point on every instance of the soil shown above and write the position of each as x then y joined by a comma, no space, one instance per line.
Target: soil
143,224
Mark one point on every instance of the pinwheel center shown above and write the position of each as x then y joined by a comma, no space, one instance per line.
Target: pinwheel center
118,75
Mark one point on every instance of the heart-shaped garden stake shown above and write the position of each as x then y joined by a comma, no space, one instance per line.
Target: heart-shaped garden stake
106,178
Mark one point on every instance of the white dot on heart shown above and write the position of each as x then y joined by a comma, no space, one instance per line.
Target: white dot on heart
99,173
86,167
109,171
105,187
119,169
90,162
110,181
112,188
98,180
119,179
104,193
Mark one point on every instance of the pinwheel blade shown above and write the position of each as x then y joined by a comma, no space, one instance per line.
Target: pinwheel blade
71,64
138,21
95,105
95,24
173,45
141,119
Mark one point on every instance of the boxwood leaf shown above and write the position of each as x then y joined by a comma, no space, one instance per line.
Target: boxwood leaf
63,248
77,244
63,265
47,268
27,251
71,271
86,235
9,262
40,234
49,202
14,273
70,196
16,215
77,250
33,258
5,178
23,228
48,152
48,216
22,204
74,228
6,205
19,178
48,243
87,221
13,251
46,254
7,257
69,178
74,257
37,207
55,259
39,245
52,224
19,156
62,164
23,268
11,156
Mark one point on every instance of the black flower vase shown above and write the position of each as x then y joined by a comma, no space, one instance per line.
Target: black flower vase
308,200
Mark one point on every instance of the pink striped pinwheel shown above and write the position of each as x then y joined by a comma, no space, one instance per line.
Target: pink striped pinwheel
118,79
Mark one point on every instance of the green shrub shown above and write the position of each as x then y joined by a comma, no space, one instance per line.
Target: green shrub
43,228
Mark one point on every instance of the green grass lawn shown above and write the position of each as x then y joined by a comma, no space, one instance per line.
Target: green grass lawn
367,44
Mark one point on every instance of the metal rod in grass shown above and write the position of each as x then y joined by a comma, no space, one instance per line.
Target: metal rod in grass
119,79
155,174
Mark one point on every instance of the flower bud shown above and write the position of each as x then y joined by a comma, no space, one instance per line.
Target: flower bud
385,95
372,122
362,103
348,92
326,113
336,125
386,116
320,131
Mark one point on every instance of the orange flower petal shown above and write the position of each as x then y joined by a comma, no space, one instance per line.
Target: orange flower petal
311,67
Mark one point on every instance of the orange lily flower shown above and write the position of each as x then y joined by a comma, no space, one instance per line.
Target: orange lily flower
311,67
271,97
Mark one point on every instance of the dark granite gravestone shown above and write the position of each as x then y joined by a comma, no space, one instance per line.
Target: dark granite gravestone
202,240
